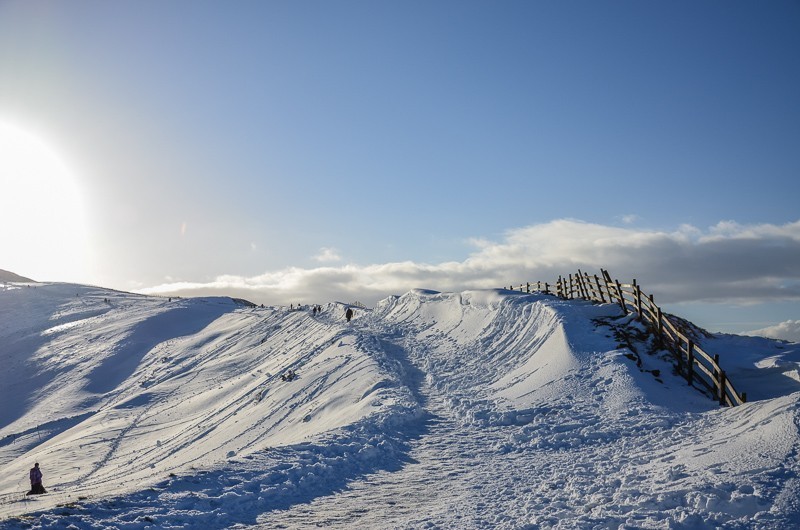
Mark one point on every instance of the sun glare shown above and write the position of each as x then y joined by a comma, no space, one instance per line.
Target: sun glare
42,227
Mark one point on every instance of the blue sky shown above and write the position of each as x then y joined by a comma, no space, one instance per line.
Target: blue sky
290,150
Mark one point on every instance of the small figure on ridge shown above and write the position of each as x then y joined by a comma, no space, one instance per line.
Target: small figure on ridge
36,481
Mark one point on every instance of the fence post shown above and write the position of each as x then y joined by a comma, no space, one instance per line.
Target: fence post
581,288
607,282
659,326
528,287
587,286
546,288
659,323
722,387
690,371
717,371
621,297
637,290
618,289
599,290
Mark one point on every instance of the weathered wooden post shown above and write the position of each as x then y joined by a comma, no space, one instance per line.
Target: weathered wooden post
581,290
690,371
638,293
722,387
621,297
607,283
599,290
659,324
587,286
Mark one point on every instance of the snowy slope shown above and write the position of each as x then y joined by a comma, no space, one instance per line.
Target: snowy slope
481,409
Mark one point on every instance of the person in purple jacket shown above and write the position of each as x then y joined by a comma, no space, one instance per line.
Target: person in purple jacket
36,481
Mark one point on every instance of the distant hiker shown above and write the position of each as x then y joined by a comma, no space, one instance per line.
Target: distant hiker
348,314
36,481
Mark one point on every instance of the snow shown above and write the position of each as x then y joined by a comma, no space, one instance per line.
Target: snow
479,409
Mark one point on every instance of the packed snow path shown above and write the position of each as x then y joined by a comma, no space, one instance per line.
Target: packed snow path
482,409
563,464
442,480
434,479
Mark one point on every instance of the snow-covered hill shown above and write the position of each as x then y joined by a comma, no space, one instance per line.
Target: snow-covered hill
8,276
481,409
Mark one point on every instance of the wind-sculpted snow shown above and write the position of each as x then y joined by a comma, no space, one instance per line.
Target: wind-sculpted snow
481,409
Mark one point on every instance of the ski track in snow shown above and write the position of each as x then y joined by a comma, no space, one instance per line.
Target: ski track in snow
480,409
553,473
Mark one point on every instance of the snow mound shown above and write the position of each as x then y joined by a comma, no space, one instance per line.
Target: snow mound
119,391
477,409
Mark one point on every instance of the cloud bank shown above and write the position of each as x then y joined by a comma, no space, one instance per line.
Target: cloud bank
728,262
789,330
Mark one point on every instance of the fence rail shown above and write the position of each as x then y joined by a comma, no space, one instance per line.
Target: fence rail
696,365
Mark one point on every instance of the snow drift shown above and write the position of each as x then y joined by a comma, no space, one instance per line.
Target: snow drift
475,409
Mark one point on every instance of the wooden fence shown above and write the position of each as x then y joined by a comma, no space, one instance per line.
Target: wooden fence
695,364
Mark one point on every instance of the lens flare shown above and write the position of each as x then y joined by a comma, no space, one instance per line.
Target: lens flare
42,217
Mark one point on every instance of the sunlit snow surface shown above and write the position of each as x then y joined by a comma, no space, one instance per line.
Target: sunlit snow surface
481,409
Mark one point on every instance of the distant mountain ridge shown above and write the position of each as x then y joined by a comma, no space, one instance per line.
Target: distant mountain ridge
8,276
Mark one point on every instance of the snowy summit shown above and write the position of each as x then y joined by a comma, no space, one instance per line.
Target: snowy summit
479,409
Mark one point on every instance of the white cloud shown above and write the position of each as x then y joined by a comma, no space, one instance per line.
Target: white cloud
630,219
328,255
789,330
725,263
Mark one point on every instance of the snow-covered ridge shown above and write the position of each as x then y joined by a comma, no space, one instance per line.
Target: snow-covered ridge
697,365
473,409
